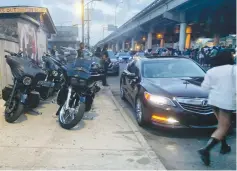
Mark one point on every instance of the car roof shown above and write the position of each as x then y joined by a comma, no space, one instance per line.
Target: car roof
156,58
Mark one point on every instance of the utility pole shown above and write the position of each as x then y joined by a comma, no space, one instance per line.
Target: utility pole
88,29
82,21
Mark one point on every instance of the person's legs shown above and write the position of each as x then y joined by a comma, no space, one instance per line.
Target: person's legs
225,123
104,80
223,118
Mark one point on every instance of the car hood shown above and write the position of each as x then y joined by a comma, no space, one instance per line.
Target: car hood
178,87
124,56
113,60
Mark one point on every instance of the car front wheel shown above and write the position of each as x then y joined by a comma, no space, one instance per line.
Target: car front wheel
139,113
122,95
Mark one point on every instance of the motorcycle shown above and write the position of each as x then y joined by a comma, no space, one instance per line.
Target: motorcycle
53,80
22,93
78,91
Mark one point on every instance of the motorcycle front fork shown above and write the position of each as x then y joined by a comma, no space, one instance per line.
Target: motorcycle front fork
68,97
12,93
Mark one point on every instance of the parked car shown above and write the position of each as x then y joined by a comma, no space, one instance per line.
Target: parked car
166,91
114,65
139,55
123,56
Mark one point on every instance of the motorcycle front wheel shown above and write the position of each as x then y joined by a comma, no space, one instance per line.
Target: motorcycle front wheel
13,111
63,116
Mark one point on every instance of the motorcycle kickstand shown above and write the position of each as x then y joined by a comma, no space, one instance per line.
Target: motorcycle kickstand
36,111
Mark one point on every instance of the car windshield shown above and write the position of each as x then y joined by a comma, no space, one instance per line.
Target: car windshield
123,54
171,68
111,55
140,54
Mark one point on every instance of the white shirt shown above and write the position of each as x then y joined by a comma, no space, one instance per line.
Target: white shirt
221,84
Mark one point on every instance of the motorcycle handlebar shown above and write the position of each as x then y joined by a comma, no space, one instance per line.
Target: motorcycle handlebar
11,53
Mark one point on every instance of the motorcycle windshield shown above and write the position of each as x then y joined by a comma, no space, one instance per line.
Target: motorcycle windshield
22,66
49,64
79,68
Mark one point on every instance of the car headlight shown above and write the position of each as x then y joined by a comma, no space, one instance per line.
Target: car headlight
27,81
158,100
55,73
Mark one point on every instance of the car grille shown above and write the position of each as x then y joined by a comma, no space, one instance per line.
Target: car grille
195,105
197,108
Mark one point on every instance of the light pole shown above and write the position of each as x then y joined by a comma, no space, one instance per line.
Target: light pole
82,20
115,15
88,21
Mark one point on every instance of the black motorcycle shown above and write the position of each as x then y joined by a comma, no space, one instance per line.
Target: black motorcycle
53,80
78,91
22,94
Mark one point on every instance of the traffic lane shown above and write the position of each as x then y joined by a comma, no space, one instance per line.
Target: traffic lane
177,149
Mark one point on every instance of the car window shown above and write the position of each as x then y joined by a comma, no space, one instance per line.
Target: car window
171,68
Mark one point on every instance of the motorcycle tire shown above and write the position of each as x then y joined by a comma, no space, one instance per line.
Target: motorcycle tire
16,114
76,120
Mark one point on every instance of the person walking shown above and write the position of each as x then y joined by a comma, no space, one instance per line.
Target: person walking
201,58
80,53
220,82
98,52
105,61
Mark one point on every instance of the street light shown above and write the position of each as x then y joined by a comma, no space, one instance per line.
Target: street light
83,5
115,16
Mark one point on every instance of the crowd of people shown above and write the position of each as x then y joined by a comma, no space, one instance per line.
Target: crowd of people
203,56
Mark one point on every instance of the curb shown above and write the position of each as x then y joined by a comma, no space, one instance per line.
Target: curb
150,152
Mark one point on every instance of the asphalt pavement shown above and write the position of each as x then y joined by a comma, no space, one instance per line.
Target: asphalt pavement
177,149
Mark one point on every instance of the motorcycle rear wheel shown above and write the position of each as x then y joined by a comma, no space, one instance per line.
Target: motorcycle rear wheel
76,120
15,113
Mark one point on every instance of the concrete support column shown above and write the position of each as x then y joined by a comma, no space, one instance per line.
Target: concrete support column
162,42
216,39
149,40
133,44
112,47
117,47
188,37
182,36
123,45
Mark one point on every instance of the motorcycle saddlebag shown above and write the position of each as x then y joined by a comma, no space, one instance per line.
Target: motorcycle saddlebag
33,99
6,92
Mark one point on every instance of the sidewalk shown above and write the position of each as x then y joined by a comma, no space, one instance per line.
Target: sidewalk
105,139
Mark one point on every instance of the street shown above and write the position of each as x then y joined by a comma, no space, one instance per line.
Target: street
177,149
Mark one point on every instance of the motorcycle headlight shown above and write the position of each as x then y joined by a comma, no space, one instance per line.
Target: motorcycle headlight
158,100
27,81
78,82
55,73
